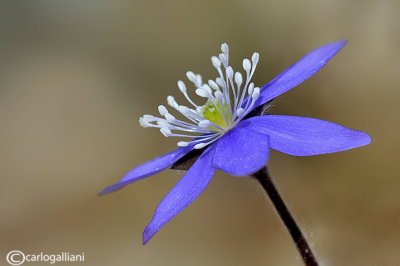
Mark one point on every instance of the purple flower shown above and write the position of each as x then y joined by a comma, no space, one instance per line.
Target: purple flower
228,133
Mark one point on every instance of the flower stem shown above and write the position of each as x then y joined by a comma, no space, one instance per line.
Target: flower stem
301,243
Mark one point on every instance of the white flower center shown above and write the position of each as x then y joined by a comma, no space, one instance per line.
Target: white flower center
222,111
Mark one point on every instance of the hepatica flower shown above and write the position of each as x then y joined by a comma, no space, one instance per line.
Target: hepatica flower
230,130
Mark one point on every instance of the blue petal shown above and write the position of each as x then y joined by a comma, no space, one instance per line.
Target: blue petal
185,192
149,168
310,64
304,136
241,152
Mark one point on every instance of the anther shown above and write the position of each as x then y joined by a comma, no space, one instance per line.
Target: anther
171,102
256,93
165,131
144,122
220,82
182,86
218,96
223,59
205,123
184,110
207,88
251,88
255,58
191,76
200,146
199,80
170,118
202,93
229,72
246,65
183,143
163,123
225,48
149,118
238,79
239,111
162,110
213,85
216,62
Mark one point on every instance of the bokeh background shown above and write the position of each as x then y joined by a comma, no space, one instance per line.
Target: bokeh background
75,76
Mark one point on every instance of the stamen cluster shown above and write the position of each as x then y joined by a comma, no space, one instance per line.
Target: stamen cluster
224,108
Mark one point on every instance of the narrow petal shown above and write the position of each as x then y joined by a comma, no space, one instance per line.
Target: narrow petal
304,136
185,192
149,168
241,152
310,64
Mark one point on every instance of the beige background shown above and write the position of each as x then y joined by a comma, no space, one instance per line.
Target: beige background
75,76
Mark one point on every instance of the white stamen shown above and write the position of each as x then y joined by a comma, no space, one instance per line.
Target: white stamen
150,118
223,110
162,110
225,48
256,93
251,88
255,58
184,110
171,102
218,96
213,85
170,118
191,76
238,79
205,123
224,59
199,146
144,122
220,82
229,72
246,65
199,79
165,131
239,111
216,62
181,86
207,88
201,93
163,123
183,143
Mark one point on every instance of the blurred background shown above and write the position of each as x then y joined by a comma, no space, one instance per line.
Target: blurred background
75,76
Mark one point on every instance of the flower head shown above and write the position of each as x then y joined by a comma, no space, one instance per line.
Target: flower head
223,109
228,137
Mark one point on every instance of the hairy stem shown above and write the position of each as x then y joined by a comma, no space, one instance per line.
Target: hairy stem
298,238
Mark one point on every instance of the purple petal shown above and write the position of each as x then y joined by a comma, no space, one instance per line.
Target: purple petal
304,136
185,192
310,64
241,152
149,168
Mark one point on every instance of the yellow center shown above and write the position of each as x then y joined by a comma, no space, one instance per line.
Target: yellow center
213,115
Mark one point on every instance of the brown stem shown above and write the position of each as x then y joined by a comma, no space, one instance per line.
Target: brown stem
301,243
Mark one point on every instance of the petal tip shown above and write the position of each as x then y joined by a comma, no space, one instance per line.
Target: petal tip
332,49
341,43
307,66
336,46
147,235
366,138
111,188
361,138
